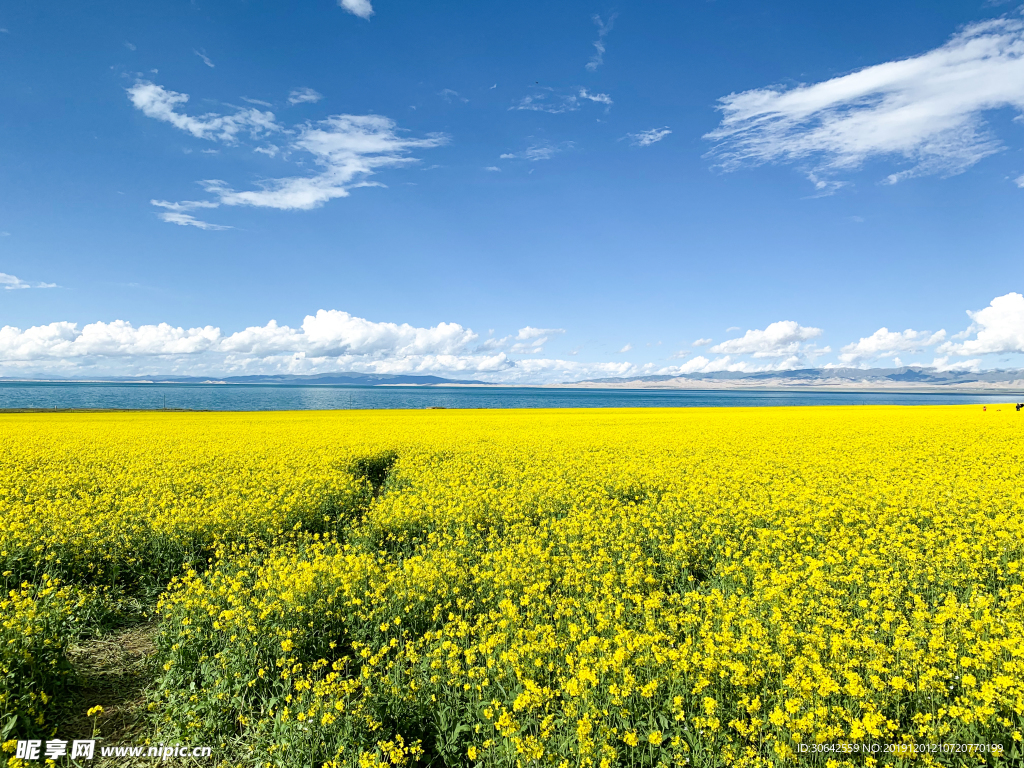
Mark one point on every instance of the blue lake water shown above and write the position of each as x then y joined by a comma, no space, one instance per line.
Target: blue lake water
277,397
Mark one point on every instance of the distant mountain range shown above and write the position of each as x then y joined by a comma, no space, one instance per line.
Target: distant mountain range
835,378
344,378
906,378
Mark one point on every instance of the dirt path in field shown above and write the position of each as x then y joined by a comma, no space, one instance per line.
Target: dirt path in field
113,672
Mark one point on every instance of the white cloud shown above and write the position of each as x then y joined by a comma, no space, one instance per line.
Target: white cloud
646,138
600,98
701,364
59,341
528,340
270,150
448,94
493,168
537,152
304,96
780,339
184,205
332,333
12,283
926,110
187,220
732,328
161,104
534,333
885,342
202,55
257,101
346,148
129,46
702,342
328,334
1019,181
360,8
554,102
329,341
998,329
603,28
625,349
943,364
531,340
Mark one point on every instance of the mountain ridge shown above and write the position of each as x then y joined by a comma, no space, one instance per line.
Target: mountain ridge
342,378
905,376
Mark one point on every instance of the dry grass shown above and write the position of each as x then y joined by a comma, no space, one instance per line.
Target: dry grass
113,672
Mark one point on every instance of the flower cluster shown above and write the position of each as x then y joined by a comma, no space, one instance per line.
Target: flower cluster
564,588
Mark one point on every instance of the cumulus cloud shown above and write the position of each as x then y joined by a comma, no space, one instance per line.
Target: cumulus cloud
702,342
59,341
603,28
997,329
926,110
531,340
330,340
528,340
345,148
360,8
886,342
625,349
493,168
702,364
782,339
535,333
12,283
1019,181
328,334
161,104
304,96
646,138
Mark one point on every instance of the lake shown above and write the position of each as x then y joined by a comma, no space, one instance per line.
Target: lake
285,397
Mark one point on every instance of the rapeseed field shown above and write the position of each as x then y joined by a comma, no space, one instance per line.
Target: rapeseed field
599,588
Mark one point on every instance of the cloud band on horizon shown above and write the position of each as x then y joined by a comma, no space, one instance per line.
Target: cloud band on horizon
333,340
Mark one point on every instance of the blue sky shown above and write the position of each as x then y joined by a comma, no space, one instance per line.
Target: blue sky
523,192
